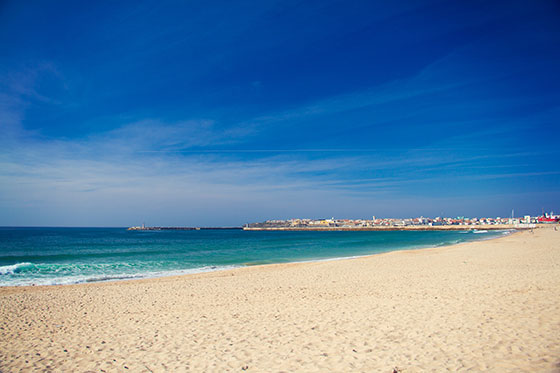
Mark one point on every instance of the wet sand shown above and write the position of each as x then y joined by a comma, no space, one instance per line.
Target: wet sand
484,306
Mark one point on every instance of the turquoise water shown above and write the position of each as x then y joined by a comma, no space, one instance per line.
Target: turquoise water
49,256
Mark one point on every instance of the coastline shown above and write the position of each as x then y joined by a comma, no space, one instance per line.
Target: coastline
420,227
382,228
483,305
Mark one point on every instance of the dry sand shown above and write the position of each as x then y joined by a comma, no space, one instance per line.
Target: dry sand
485,306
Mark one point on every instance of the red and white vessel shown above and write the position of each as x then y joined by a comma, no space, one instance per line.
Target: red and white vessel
549,218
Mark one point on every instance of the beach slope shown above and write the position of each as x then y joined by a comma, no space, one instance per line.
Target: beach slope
486,306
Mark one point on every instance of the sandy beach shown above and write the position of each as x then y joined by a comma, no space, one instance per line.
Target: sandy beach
483,306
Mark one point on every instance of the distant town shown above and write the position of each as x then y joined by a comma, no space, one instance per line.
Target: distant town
419,223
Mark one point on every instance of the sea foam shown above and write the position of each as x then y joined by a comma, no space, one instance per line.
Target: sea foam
14,268
87,278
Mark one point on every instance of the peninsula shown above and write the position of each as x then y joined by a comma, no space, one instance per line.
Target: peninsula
382,224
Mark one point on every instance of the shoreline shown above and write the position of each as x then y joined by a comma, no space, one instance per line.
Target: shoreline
491,305
212,269
382,228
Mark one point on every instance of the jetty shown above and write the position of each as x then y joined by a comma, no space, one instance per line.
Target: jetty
143,228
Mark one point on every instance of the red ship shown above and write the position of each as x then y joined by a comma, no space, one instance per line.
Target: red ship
549,218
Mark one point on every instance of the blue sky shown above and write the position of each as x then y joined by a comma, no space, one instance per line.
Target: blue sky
222,113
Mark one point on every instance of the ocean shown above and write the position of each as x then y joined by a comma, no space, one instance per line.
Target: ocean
55,256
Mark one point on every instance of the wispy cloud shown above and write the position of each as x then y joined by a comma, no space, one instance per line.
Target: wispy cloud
109,173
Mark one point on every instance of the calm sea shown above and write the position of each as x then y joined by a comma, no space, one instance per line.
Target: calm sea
48,256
